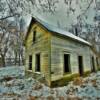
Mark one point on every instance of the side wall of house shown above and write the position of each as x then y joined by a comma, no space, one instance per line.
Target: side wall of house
61,46
40,46
96,60
99,62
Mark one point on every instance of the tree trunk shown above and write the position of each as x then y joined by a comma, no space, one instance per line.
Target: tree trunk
22,58
3,60
19,59
15,58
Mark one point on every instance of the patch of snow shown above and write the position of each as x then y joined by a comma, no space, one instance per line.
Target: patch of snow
22,88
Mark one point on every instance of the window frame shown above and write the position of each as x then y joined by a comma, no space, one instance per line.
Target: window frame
30,62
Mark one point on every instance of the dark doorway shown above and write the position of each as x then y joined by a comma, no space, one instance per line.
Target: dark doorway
66,63
97,61
80,62
93,65
37,68
30,62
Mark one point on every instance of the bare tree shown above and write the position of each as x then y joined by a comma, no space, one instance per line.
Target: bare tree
5,36
14,9
90,32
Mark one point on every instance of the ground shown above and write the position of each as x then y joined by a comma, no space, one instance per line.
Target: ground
14,86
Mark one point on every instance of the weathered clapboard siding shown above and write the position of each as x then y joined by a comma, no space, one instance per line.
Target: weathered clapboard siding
42,46
61,46
52,47
99,63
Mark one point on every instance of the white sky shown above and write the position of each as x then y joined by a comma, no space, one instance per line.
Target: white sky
61,14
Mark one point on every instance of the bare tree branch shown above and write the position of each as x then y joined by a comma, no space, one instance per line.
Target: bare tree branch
9,16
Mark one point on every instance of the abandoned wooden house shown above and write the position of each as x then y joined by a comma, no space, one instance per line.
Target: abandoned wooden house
57,54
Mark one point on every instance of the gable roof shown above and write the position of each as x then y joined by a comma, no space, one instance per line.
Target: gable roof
56,30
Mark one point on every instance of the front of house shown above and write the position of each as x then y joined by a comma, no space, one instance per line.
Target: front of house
56,54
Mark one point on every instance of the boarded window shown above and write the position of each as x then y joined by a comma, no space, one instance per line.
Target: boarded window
30,62
34,35
66,63
37,65
80,64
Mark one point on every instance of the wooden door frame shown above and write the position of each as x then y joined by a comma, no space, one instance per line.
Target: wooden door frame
80,68
36,62
67,53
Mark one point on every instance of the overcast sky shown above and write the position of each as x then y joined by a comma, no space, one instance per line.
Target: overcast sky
61,14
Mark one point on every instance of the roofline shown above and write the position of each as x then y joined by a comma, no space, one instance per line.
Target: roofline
29,27
89,44
37,20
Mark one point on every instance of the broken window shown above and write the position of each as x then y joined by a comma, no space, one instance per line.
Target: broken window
66,63
34,35
30,62
76,31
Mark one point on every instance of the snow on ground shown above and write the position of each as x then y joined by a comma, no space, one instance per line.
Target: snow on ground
14,86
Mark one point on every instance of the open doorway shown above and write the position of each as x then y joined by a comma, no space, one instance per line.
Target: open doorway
93,64
80,63
37,65
66,63
97,62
